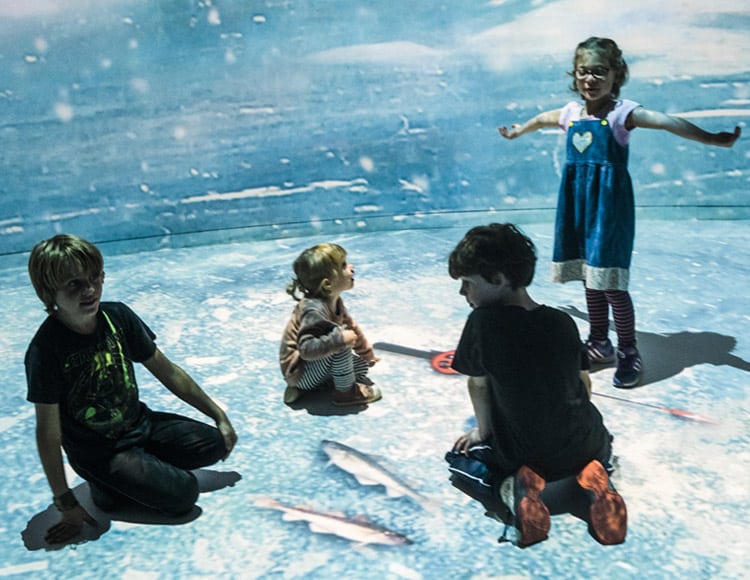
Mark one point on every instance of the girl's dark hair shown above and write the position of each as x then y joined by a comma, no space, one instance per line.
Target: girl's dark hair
607,49
493,249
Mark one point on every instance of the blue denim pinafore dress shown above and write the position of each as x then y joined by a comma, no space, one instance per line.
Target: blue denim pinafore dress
595,223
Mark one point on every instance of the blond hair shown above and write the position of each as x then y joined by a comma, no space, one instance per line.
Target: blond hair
53,260
313,268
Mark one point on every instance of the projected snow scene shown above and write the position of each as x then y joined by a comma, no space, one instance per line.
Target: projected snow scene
203,145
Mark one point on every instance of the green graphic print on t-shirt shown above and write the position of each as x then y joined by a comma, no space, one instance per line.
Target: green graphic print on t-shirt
104,393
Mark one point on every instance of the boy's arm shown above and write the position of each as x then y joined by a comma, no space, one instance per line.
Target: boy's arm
546,119
586,380
48,442
182,384
479,393
647,119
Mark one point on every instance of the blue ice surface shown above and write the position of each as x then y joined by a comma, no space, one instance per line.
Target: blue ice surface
219,310
203,146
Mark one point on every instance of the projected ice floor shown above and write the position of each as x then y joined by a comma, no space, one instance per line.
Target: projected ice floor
220,311
204,144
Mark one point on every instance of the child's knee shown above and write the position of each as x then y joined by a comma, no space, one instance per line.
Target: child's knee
219,448
182,497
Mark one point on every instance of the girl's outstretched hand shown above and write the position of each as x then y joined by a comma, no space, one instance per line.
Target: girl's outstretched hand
726,139
511,133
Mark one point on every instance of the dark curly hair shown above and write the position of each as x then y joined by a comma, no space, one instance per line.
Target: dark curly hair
493,249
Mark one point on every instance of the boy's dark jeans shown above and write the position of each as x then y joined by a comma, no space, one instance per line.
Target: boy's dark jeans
150,464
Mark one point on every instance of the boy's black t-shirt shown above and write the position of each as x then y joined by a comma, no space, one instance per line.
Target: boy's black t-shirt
91,377
541,414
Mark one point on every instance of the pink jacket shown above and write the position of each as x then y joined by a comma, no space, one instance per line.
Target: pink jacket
314,332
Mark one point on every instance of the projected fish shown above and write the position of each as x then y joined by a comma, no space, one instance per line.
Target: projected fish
367,471
357,529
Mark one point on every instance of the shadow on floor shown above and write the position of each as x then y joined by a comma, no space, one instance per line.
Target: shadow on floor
561,497
667,355
318,402
36,528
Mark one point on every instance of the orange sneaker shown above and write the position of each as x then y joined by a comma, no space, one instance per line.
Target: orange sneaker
359,394
609,517
522,494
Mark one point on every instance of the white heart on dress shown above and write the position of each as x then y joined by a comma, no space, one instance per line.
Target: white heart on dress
582,142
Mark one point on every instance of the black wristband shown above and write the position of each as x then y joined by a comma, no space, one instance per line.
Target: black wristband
65,502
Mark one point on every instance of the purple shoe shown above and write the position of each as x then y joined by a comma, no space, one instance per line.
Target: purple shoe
600,351
629,368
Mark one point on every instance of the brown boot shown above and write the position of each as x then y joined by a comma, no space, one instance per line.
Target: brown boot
291,394
359,394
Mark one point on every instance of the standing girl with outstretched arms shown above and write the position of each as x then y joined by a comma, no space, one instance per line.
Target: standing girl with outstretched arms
595,223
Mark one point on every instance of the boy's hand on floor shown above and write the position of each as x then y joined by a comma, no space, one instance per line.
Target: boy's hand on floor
467,441
71,523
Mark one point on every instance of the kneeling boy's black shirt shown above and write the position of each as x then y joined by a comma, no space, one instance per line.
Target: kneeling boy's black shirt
541,414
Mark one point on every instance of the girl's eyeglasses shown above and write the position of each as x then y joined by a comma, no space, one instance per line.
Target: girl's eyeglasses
598,72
